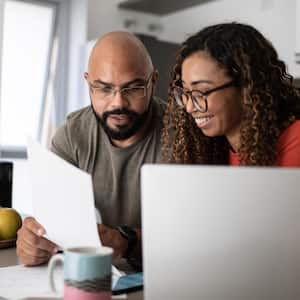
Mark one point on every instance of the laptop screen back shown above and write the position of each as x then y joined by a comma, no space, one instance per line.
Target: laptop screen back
221,233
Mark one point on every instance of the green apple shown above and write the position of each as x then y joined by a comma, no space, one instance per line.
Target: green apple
10,222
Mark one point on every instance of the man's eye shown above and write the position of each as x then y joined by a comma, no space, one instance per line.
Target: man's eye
134,88
105,90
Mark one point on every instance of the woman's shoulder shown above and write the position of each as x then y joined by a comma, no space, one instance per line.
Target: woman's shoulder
289,146
291,132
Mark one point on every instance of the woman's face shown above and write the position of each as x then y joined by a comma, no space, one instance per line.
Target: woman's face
224,108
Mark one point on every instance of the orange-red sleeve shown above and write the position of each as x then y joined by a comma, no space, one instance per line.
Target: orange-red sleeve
233,159
289,146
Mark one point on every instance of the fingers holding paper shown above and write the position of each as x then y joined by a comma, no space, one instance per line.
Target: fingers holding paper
32,247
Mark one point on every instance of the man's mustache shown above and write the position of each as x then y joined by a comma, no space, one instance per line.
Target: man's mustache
120,111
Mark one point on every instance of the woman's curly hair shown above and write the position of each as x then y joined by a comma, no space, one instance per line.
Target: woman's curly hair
270,102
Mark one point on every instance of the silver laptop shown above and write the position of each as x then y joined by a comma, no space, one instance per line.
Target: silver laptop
221,233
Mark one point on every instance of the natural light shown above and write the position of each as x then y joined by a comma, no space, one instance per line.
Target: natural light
27,35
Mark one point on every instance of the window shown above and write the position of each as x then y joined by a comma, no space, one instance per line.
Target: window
27,40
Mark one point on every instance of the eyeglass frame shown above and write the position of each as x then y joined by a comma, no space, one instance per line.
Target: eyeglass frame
203,95
114,90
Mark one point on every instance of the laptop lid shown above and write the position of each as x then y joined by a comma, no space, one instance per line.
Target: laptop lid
221,233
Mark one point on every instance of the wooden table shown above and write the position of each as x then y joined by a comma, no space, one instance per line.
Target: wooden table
8,258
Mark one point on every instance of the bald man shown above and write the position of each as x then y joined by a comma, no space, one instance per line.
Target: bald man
110,139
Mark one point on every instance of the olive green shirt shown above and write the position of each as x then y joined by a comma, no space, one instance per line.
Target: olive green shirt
115,171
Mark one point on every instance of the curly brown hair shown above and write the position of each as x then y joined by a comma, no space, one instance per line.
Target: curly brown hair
270,101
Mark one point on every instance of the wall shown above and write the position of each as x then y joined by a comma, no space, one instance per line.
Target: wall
163,56
104,16
275,18
1,41
77,42
298,27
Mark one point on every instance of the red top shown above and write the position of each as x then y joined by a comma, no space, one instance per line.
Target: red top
288,148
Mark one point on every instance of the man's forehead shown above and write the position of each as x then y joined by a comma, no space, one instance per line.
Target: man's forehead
120,60
122,83
117,74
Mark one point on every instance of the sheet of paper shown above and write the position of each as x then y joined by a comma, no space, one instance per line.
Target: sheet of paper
63,200
19,282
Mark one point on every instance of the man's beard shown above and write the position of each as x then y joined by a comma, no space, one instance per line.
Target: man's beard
121,133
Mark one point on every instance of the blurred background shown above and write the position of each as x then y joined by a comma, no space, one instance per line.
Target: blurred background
45,44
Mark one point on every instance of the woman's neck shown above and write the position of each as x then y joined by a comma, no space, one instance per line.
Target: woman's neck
234,141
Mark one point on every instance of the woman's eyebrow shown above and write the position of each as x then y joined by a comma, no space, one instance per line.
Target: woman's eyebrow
197,82
200,81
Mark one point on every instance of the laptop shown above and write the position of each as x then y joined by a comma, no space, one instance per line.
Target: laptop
221,233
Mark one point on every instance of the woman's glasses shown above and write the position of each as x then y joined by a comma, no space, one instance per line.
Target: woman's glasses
198,98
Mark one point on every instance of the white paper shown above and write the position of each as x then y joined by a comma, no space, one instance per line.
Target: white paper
62,199
19,282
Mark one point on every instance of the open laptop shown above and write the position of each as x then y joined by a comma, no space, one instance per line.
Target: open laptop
221,233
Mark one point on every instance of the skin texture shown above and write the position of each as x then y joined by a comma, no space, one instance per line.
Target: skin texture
119,60
201,72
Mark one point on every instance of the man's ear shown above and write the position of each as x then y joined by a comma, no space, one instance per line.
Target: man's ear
155,77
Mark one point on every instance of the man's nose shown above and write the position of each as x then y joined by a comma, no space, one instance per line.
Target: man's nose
118,99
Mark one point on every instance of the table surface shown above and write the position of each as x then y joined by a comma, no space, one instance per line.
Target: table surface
8,258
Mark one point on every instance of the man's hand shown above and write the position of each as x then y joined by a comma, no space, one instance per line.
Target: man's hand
112,238
32,248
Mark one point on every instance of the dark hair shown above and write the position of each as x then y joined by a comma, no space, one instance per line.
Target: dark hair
270,101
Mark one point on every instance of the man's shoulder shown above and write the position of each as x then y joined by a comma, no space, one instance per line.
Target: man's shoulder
81,119
75,134
81,115
76,125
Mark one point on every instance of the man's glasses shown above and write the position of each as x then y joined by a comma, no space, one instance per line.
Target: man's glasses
106,92
198,98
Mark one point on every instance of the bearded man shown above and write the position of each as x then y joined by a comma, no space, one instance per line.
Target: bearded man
110,139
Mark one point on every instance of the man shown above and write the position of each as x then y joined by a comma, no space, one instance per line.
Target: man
110,139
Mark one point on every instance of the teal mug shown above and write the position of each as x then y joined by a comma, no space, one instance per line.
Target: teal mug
87,273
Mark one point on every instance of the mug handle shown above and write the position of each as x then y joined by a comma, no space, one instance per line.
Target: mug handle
52,264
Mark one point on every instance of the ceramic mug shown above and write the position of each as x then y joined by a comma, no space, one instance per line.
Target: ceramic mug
87,273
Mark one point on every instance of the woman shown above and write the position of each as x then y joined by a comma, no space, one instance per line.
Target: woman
231,102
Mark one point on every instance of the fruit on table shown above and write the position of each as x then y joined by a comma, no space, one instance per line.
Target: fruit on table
10,222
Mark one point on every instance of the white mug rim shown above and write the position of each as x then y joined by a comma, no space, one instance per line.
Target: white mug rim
90,251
